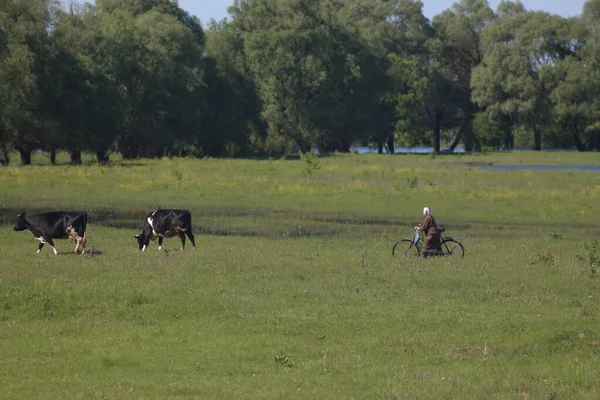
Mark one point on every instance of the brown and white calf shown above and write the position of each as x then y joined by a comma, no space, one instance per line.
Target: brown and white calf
166,224
55,225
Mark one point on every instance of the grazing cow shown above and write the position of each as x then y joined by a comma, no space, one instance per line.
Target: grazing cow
55,225
166,224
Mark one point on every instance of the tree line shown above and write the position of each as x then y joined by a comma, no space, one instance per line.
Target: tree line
144,78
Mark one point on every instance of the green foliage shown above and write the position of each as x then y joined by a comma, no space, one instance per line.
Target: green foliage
283,360
310,164
408,98
493,131
531,74
457,49
412,180
591,257
544,259
157,64
312,75
24,52
233,100
140,78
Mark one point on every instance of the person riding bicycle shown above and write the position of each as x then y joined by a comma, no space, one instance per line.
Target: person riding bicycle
432,234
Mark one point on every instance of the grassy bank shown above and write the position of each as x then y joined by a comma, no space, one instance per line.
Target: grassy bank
293,291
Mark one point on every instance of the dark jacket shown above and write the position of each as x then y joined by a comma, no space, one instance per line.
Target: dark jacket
430,226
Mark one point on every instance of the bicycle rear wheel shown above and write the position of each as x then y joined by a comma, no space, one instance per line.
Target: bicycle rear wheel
406,248
452,247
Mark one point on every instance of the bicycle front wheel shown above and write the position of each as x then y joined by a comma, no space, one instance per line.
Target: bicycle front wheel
452,247
405,248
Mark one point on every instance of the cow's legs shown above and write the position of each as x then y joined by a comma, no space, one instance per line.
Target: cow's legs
51,243
160,240
80,244
182,237
191,236
43,240
77,238
83,243
77,243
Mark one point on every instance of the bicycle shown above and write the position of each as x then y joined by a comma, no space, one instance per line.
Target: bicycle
449,246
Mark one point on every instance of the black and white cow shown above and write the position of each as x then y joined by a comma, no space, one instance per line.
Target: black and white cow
55,225
166,224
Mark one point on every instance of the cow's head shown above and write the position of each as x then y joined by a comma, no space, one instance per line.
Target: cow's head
21,223
141,238
146,235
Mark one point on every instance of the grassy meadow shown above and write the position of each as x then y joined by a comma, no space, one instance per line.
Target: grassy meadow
293,292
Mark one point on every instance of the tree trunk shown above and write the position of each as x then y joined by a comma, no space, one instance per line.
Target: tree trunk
380,146
53,156
390,144
304,147
437,128
127,148
509,140
468,136
5,160
102,156
338,145
25,155
455,142
345,145
75,157
576,138
537,140
594,141
157,152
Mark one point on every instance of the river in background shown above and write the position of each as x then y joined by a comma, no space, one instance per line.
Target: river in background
461,150
401,150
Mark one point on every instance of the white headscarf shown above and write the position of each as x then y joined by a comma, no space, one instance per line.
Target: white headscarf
426,211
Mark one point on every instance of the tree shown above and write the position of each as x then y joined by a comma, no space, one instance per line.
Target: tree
519,73
278,38
309,71
155,52
17,81
24,45
575,97
392,36
233,113
456,51
62,88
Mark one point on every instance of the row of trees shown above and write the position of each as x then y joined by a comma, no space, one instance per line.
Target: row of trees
144,78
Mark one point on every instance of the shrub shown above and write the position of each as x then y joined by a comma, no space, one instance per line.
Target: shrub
591,256
546,259
310,164
412,181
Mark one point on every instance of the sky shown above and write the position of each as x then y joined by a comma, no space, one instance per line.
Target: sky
217,9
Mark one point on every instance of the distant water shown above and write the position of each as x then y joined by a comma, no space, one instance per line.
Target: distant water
591,168
412,150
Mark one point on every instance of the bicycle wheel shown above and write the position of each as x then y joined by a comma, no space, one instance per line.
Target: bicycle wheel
452,247
405,247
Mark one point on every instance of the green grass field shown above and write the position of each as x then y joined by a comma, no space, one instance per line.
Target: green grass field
293,292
